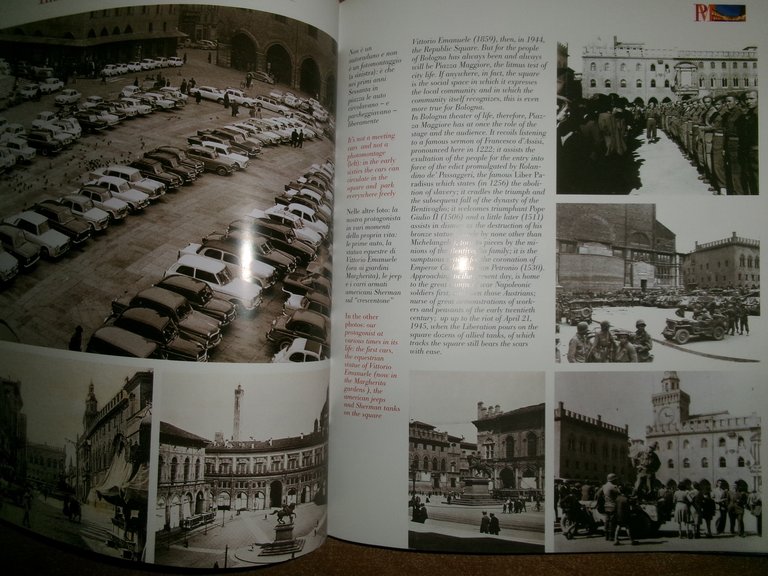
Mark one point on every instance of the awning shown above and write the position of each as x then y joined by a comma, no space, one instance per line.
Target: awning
135,491
119,474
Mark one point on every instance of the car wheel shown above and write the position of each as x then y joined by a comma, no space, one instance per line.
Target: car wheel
44,152
44,252
221,171
718,333
284,345
682,336
220,101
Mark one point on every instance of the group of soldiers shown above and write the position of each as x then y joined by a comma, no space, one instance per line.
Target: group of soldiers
733,311
719,136
606,345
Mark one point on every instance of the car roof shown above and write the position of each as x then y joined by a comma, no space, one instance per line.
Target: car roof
126,340
181,281
201,262
162,295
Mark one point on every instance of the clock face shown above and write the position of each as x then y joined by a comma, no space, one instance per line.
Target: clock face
666,415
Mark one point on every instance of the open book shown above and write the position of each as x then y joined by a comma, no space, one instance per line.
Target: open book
276,271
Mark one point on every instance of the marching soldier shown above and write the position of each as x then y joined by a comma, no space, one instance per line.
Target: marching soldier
579,347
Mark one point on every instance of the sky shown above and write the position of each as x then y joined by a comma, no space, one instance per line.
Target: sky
274,405
448,400
54,390
624,398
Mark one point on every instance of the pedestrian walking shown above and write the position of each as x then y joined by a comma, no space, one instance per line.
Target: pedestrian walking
485,523
493,525
235,108
226,100
623,515
294,138
198,97
300,141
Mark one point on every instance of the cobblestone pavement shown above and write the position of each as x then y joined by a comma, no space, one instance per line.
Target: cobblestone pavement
43,306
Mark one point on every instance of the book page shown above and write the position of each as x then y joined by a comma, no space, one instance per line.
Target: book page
524,191
165,294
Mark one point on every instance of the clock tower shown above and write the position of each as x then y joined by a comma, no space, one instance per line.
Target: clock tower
670,406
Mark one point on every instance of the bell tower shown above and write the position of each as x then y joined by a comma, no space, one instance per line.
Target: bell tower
670,406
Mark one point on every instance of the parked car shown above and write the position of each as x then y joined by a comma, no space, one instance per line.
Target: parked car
201,297
223,150
245,295
29,91
51,85
300,324
240,263
171,164
211,160
67,97
182,157
7,159
302,284
272,104
308,216
37,229
259,248
9,267
282,237
44,142
121,189
91,122
115,341
316,301
61,219
161,101
162,330
262,77
14,241
19,148
86,210
301,350
101,198
236,145
134,177
153,170
276,214
240,97
681,330
208,93
142,109
192,324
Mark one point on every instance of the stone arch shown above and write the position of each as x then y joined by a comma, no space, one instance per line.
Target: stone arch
309,77
280,64
245,51
507,478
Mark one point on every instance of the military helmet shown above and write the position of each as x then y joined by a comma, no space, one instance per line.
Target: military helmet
640,323
582,327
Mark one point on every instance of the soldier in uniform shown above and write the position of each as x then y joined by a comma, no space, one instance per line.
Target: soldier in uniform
625,351
579,347
604,344
748,151
642,341
731,146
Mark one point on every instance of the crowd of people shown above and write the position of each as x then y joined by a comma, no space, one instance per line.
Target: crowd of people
697,509
606,345
597,137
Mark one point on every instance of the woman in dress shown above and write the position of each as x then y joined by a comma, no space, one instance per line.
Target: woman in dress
682,512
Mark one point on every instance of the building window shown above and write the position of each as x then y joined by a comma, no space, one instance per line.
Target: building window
186,470
638,67
174,469
740,462
653,83
704,463
670,463
532,444
607,83
435,464
666,83
653,67
623,83
686,444
669,445
593,67
639,83
686,463
721,462
426,463
593,83
607,66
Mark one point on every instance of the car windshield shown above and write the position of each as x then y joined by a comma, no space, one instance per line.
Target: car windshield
183,310
170,332
205,294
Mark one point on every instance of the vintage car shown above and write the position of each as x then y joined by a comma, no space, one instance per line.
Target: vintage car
192,324
245,295
681,330
240,263
67,96
102,198
15,242
259,248
162,330
84,209
121,189
201,298
116,341
301,350
61,219
212,161
578,311
37,229
300,324
9,266
171,164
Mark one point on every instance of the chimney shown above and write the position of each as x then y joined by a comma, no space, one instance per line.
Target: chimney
480,410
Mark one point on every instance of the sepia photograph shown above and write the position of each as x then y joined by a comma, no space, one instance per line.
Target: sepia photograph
667,282
642,114
658,461
167,185
476,470
75,455
242,469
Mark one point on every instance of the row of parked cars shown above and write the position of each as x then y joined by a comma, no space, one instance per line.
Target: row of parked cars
143,65
225,275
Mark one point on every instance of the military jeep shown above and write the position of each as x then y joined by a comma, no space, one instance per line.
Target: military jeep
681,330
578,311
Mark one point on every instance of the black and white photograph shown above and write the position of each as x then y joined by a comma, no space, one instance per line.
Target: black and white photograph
643,112
658,461
242,469
169,185
75,456
476,450
668,282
